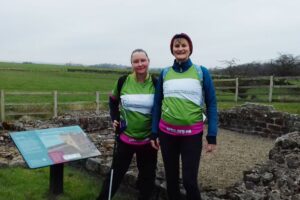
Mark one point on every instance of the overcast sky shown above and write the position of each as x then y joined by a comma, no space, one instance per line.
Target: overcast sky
106,31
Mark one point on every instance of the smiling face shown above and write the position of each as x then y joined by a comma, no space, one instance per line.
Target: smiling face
181,49
140,62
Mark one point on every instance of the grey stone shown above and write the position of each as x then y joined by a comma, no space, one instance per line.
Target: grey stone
274,195
249,185
293,161
3,163
93,164
17,163
296,197
130,178
253,177
267,178
273,155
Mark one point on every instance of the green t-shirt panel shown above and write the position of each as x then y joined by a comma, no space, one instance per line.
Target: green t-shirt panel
182,96
136,106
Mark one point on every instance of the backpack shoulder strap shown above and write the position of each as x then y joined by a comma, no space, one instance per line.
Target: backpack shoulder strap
165,71
154,80
121,81
199,73
200,77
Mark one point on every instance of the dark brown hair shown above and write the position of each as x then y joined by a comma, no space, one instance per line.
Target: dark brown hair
181,35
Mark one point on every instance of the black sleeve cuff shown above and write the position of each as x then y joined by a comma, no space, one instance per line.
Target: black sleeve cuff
153,136
211,139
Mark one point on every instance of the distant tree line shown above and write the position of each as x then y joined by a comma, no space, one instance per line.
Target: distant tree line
110,66
101,71
284,65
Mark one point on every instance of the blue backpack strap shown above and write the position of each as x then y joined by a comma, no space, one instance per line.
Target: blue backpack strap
199,73
200,77
165,71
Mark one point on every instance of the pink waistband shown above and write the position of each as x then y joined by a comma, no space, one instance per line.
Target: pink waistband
129,140
178,130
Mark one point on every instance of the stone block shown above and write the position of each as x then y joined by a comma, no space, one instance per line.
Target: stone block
252,177
273,127
3,163
279,121
260,124
17,163
93,164
267,178
293,161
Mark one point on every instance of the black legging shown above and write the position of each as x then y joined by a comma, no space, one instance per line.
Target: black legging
146,158
189,148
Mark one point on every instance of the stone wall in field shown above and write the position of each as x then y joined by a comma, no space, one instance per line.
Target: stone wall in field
259,119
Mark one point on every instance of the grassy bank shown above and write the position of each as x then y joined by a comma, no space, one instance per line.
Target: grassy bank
291,107
23,184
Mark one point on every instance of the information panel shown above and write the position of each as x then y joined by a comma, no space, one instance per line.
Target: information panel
45,147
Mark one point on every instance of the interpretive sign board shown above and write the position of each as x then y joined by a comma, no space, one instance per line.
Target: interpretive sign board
45,147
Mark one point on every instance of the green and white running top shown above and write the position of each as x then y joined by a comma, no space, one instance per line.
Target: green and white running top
136,106
182,110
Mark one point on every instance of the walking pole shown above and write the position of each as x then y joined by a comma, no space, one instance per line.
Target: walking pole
117,132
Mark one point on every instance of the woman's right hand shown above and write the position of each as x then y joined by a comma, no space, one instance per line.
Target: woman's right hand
155,143
115,124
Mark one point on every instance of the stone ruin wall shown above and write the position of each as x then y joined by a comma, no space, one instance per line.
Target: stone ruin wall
97,127
259,119
278,178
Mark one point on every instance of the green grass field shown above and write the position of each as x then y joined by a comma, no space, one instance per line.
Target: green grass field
55,80
47,78
24,184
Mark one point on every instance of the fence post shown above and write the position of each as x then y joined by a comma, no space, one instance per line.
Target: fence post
236,89
2,104
97,102
55,103
271,89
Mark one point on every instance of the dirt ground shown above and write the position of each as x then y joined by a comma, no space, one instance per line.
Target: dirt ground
236,152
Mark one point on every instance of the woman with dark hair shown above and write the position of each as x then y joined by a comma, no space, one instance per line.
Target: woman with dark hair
178,118
131,102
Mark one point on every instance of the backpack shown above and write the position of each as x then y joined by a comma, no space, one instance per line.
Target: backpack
123,78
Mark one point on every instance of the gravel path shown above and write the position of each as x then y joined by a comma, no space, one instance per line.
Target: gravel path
236,152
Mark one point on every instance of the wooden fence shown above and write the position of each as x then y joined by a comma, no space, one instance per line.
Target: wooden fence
233,87
260,83
54,104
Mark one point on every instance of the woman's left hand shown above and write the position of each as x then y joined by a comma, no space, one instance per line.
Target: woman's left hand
209,148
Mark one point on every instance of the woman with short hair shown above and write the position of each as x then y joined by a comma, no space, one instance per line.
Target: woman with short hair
178,118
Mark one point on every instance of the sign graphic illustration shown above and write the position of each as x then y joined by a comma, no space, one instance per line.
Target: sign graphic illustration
45,147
